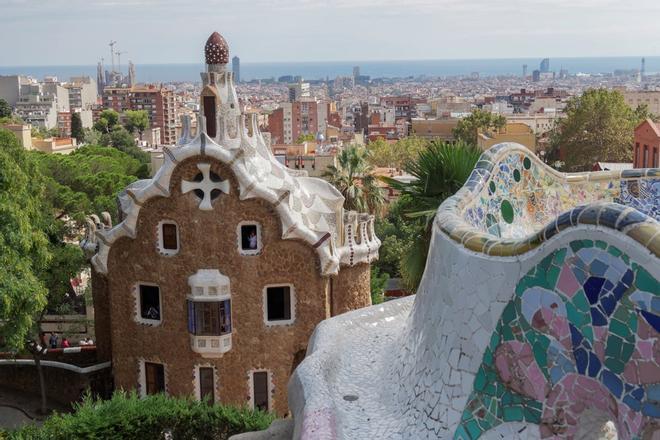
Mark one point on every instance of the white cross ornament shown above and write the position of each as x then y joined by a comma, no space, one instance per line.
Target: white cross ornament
206,186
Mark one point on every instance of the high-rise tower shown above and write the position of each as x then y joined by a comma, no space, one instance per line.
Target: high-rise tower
642,71
100,79
131,74
236,69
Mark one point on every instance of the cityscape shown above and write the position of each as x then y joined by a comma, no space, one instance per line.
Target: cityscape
458,248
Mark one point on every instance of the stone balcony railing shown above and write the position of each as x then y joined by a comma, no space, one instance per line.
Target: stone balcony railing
211,346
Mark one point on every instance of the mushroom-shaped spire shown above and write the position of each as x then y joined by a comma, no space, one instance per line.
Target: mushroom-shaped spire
216,50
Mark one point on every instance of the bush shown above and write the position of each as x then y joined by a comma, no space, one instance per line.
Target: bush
127,416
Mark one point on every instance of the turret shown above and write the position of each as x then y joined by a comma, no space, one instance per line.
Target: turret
220,114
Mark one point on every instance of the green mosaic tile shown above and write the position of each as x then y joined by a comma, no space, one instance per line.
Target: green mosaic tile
615,365
580,301
627,350
513,414
509,314
480,380
601,244
551,277
473,429
613,346
619,328
532,415
644,281
614,251
461,434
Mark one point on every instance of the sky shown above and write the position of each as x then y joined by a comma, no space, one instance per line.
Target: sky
77,32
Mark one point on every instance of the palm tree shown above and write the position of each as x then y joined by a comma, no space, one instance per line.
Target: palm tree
354,178
439,171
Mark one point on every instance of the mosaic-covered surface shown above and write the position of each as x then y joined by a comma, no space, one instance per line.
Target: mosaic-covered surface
580,334
522,196
643,195
537,317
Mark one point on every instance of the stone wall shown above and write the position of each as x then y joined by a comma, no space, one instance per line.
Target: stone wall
351,289
62,385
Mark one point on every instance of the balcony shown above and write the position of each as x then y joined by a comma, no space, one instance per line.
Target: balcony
211,346
209,313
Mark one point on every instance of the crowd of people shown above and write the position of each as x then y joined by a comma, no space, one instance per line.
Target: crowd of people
54,341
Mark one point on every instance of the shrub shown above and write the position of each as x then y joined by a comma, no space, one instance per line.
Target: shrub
127,416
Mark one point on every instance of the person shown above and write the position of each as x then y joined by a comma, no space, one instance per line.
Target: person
252,240
153,313
53,340
65,343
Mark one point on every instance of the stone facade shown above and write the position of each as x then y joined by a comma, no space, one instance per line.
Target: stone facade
207,189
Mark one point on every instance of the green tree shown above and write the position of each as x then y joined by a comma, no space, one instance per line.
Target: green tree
77,128
353,177
395,154
599,126
309,137
439,171
5,109
378,284
136,120
87,180
24,251
44,133
468,128
107,121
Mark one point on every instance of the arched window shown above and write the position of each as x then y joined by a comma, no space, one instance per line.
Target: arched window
209,114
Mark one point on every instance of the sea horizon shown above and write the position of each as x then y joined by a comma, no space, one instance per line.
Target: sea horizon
314,70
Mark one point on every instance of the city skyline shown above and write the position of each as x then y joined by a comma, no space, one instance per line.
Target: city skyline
303,30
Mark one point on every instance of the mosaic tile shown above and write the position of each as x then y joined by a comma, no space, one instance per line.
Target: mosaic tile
539,320
552,306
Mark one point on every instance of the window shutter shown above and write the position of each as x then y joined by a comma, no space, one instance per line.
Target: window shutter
228,314
191,317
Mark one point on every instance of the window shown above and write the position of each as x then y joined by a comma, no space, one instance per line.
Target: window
278,308
210,318
655,157
209,114
168,239
149,303
260,390
645,159
207,385
249,238
154,378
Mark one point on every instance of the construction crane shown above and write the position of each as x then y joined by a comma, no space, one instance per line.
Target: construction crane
119,54
112,53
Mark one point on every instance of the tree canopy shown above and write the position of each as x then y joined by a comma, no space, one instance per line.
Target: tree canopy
599,126
396,154
77,127
305,138
24,253
5,109
353,177
87,180
107,121
439,170
468,128
136,120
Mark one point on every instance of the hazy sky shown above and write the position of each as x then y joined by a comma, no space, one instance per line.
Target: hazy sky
64,32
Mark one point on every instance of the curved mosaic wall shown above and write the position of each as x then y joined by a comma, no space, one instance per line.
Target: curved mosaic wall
581,333
538,316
